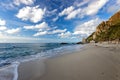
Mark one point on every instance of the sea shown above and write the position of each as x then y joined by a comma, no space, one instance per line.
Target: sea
15,53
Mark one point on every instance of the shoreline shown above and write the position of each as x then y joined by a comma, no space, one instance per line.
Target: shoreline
91,62
37,67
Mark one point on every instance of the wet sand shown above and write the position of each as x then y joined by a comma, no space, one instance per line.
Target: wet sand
90,63
31,70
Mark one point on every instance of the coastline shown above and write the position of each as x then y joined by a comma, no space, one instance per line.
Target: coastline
92,62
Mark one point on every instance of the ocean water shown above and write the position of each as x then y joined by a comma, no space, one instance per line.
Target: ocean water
14,53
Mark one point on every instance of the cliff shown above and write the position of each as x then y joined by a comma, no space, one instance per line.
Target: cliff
107,30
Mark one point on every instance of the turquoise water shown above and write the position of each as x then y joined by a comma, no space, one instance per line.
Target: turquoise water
10,52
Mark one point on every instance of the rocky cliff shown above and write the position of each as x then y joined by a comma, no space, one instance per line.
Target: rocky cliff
107,30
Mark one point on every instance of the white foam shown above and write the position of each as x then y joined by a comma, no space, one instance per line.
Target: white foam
9,72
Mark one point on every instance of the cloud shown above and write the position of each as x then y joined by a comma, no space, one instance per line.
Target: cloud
2,25
13,31
26,2
79,4
66,11
40,33
95,6
58,31
55,19
117,1
65,35
73,14
41,26
34,14
87,28
113,6
2,28
2,22
79,12
1,34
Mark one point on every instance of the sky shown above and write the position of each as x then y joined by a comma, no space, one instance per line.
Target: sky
51,21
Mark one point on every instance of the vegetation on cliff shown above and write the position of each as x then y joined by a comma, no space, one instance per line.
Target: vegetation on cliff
107,30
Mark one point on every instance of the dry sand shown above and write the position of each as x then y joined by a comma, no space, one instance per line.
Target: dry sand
91,63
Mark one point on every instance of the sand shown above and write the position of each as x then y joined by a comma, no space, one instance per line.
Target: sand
90,63
30,70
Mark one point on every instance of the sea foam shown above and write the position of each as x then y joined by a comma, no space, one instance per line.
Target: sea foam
9,72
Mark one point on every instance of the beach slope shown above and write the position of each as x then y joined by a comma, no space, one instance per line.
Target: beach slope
91,63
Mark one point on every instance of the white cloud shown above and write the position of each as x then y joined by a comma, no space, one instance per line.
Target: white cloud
66,11
2,22
65,35
81,3
40,33
1,34
87,28
13,31
58,31
93,8
73,14
34,14
113,6
2,25
118,1
26,2
41,26
2,28
55,19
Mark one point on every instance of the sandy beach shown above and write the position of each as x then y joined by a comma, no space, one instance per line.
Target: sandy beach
90,63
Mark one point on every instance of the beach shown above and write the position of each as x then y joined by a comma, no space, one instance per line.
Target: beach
90,63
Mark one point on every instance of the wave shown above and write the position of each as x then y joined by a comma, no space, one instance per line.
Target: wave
10,65
9,72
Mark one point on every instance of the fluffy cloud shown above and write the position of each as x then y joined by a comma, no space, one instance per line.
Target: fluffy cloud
34,14
95,6
65,35
87,27
92,9
2,28
2,22
26,2
13,31
41,26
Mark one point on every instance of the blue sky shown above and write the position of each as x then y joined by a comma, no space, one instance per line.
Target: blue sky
52,20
